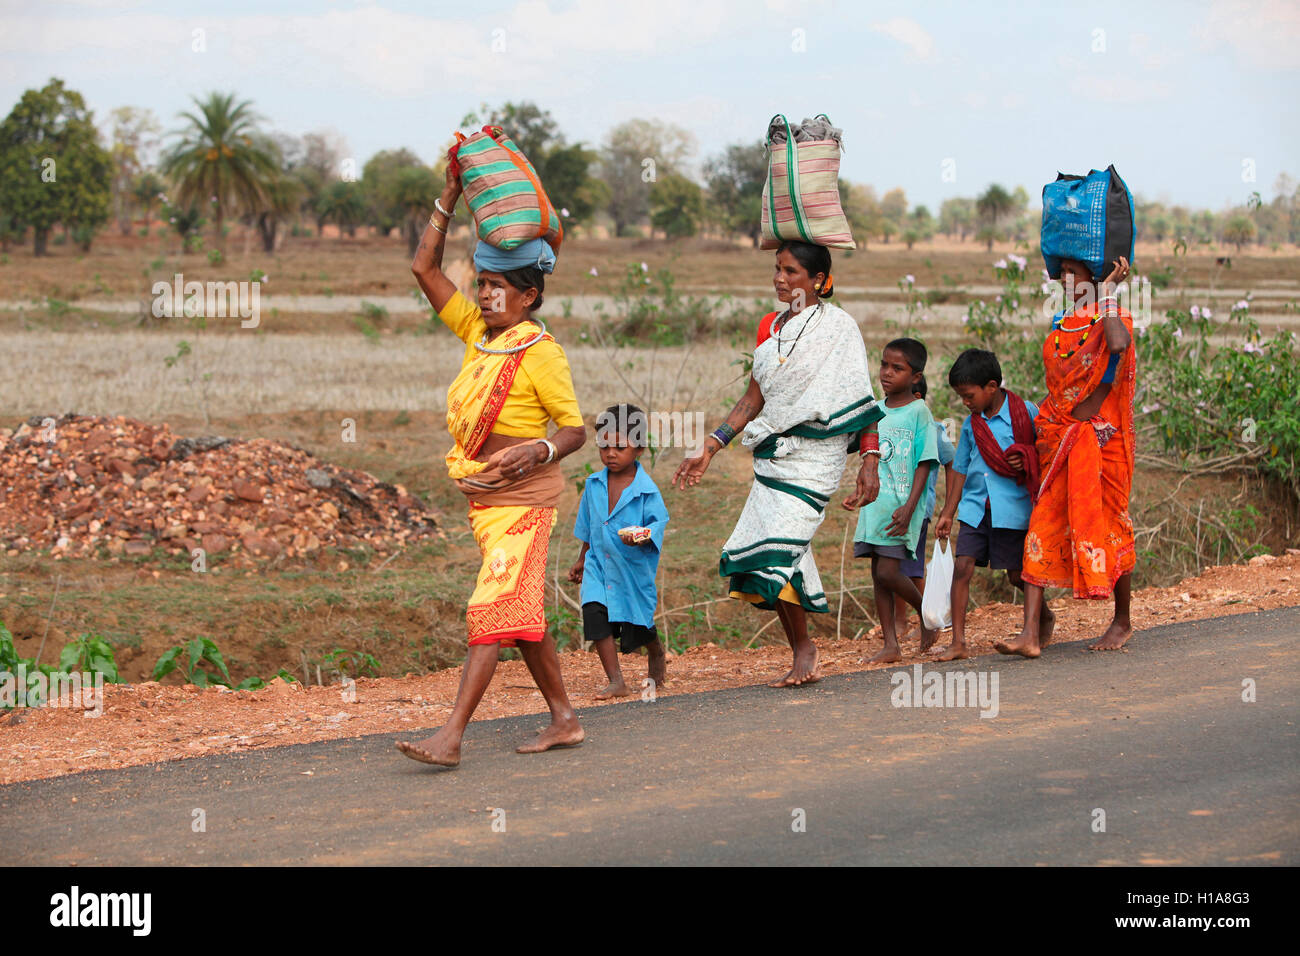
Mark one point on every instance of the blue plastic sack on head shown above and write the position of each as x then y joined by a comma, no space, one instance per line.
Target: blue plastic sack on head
534,252
1088,218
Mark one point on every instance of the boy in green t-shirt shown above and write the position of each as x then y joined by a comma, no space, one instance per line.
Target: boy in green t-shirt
888,528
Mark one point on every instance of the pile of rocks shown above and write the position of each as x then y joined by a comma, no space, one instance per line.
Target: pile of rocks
85,486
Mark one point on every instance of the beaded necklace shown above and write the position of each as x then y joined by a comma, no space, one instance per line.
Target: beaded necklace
518,348
1085,329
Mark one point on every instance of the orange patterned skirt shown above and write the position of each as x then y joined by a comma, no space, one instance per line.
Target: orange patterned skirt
509,603
1080,534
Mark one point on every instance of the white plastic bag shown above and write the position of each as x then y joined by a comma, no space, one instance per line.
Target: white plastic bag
936,602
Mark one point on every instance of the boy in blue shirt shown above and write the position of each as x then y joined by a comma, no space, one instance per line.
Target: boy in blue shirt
621,521
995,475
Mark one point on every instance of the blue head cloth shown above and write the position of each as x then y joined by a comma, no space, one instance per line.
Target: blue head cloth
534,252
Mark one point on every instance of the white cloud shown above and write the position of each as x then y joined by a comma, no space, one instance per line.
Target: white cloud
1119,89
1264,34
911,34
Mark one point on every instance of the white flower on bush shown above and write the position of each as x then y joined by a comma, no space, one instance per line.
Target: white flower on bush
1148,409
1252,348
1196,311
1178,333
1241,304
1020,261
1207,313
644,267
909,279
594,272
1000,264
564,213
965,318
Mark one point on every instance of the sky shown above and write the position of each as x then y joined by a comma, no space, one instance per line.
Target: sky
1196,103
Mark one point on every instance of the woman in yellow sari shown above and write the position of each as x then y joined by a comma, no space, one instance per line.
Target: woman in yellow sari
514,378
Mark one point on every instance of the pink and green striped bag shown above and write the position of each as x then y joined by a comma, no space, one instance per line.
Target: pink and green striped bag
502,190
801,197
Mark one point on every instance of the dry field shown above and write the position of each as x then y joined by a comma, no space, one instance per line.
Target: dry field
315,362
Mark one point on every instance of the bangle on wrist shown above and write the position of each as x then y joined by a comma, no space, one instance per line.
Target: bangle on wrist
724,433
434,223
437,204
550,451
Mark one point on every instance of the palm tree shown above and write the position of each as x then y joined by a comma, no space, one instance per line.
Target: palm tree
343,203
216,164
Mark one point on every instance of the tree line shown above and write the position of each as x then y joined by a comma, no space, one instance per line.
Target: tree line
222,165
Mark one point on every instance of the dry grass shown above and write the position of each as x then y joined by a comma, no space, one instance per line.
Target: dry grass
124,373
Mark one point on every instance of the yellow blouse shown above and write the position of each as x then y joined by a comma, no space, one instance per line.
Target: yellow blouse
542,390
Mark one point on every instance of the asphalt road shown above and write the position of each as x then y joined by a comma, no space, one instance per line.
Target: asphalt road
1159,738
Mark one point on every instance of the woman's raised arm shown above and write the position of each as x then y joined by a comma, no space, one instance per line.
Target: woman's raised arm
427,264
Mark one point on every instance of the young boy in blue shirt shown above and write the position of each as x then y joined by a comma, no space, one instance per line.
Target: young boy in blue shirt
995,475
621,521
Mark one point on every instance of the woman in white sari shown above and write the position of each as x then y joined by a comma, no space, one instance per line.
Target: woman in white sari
808,404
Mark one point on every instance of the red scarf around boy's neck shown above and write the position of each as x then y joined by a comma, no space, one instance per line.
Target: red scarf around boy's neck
1022,432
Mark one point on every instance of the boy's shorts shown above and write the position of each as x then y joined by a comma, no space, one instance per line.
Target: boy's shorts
596,626
865,549
915,567
998,548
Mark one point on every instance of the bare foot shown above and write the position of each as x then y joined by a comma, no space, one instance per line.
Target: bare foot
615,688
1024,645
1115,637
888,655
438,750
1046,625
953,652
566,734
928,638
804,670
658,666
805,666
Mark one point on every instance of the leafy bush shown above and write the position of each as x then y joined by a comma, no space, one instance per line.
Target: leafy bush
1217,393
649,309
206,667
88,654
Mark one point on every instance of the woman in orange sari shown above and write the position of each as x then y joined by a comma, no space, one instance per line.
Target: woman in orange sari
1080,534
514,378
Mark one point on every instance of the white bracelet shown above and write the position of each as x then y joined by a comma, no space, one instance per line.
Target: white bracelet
437,204
551,447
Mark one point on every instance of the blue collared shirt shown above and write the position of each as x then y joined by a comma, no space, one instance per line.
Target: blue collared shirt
617,575
946,454
1008,502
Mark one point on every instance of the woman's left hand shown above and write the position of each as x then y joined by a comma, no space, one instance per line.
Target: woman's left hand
519,460
867,488
1117,275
